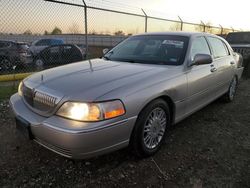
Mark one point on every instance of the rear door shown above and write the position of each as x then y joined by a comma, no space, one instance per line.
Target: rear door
224,63
201,78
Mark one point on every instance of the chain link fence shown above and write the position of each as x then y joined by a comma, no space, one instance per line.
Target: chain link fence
36,35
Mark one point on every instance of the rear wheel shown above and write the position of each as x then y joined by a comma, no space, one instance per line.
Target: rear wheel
150,128
229,96
5,64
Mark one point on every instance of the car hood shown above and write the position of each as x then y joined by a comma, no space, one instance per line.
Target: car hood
91,79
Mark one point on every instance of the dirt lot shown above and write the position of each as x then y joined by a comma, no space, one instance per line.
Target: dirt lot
209,149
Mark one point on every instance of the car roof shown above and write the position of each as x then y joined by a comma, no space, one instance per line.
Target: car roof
13,41
177,33
240,32
7,41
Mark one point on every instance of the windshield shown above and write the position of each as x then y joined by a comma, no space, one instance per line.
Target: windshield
238,38
163,49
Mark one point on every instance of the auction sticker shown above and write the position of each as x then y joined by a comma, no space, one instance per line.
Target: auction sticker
176,43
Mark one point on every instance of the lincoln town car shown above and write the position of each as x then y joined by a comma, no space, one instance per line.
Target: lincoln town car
129,97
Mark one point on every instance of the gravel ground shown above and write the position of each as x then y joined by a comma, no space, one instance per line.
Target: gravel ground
209,149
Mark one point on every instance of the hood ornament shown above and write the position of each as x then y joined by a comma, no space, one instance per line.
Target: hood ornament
41,77
90,66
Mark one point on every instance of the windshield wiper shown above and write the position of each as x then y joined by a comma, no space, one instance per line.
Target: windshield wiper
106,58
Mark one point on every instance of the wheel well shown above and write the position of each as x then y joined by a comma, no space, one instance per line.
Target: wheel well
171,106
237,79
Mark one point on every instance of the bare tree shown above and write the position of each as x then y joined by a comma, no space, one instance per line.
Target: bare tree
93,32
56,31
199,27
175,27
27,32
209,27
119,33
74,29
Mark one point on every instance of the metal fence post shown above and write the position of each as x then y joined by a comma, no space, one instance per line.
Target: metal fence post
221,29
86,28
146,20
181,22
204,26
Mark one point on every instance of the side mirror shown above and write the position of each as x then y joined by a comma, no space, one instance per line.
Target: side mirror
105,50
202,59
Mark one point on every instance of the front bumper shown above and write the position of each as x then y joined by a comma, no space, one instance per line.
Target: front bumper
59,134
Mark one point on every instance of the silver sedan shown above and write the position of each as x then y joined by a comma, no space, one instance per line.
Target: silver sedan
131,96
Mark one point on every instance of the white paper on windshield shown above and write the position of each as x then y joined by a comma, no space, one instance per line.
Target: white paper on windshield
176,43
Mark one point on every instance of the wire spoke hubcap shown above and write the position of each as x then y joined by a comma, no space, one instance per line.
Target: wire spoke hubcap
232,89
154,128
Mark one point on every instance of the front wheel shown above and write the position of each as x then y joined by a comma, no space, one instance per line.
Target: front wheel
150,128
39,63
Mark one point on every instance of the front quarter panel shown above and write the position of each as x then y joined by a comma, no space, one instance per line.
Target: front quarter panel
137,96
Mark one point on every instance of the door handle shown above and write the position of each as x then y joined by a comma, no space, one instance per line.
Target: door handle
213,69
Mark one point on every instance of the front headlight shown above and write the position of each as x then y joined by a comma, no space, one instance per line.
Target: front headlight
20,88
91,111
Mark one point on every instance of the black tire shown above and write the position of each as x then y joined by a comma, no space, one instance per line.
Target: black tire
137,140
39,64
247,71
5,64
230,94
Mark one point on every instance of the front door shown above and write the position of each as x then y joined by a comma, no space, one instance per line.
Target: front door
201,78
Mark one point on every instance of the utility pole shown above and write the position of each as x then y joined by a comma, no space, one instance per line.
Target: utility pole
146,20
181,22
86,28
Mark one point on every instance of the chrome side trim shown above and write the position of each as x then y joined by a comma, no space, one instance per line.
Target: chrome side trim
88,130
51,149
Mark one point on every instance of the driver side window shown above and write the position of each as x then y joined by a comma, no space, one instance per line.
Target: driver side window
199,46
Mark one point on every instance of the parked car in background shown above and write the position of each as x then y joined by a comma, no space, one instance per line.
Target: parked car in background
83,49
12,54
240,42
56,55
131,96
38,45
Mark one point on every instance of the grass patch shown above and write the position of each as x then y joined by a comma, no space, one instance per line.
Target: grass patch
7,91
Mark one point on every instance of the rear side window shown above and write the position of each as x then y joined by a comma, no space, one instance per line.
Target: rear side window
219,48
43,42
199,46
56,42
5,44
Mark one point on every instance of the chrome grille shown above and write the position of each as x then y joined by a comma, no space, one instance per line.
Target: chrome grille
45,99
39,100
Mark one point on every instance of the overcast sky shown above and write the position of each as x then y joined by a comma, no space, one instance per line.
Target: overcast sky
229,13
37,15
